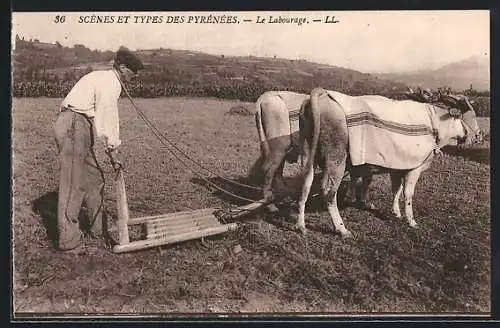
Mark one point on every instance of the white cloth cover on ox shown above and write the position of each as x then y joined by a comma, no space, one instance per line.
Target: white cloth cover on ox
396,134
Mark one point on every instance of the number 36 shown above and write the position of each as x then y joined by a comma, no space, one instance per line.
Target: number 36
59,19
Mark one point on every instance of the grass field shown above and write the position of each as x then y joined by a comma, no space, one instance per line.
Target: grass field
443,266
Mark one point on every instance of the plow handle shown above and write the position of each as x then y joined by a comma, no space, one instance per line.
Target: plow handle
122,208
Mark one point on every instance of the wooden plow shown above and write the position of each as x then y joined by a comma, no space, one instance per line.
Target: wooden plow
173,227
169,228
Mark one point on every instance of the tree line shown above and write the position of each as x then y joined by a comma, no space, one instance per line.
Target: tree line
241,90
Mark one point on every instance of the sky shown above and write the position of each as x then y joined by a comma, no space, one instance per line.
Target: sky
367,41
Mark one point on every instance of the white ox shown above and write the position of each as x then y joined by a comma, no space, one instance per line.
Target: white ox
324,130
277,123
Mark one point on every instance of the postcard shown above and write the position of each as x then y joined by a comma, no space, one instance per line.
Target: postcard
250,164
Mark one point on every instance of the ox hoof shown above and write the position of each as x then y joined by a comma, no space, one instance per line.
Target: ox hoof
414,224
397,215
368,206
350,200
272,208
300,228
346,234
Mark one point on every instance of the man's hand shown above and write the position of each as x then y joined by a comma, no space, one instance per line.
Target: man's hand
115,163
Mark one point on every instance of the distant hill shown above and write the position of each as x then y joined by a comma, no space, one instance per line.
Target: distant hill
458,75
39,61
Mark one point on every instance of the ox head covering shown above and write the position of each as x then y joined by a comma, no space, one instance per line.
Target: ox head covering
459,103
460,106
125,57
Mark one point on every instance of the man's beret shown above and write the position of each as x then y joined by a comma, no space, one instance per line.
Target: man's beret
125,57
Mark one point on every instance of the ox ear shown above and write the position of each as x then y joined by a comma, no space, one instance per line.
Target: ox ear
455,112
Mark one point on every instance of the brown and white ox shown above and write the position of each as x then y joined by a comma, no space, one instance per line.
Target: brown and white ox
277,123
324,132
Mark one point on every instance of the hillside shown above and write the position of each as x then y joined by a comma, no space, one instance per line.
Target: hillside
459,75
33,62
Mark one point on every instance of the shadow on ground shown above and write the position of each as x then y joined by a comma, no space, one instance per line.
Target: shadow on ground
46,208
476,154
229,191
286,191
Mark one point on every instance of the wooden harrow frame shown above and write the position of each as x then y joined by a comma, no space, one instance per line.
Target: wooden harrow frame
169,228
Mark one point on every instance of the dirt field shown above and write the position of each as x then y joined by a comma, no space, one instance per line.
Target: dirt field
443,266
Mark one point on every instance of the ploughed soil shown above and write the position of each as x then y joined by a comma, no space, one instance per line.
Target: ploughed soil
264,265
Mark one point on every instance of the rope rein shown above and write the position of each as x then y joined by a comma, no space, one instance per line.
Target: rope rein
167,143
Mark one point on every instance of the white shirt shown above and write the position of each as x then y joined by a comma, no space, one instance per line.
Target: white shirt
96,95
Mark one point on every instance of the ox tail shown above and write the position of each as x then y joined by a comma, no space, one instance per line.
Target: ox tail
303,132
315,117
264,143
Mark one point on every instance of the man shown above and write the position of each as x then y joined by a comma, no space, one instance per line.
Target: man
89,114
